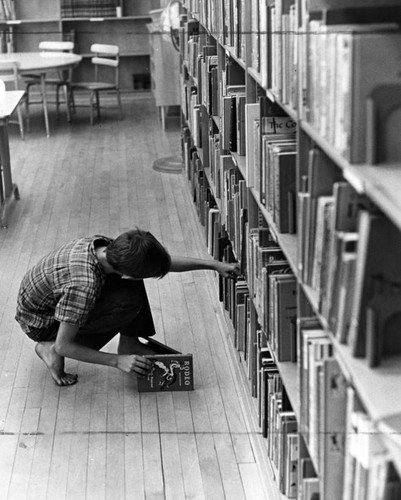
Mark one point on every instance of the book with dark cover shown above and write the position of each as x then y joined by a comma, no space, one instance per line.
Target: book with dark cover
383,320
376,235
284,189
172,370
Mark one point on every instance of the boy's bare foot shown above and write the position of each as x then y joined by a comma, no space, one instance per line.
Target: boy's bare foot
55,364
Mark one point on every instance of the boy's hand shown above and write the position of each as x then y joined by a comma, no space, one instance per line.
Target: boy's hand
228,269
133,363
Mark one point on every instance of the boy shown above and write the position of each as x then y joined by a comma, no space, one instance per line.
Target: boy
78,297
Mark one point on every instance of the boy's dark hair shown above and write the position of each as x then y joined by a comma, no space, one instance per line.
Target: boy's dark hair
138,254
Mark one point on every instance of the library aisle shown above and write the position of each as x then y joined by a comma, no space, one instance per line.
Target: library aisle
101,439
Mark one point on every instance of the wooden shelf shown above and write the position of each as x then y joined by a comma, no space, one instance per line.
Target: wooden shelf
106,19
377,388
13,22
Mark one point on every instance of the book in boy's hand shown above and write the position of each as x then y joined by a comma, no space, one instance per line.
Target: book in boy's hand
172,371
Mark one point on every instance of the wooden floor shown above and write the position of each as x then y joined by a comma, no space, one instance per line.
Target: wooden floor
100,439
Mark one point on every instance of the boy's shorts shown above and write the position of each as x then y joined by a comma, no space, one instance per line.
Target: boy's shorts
123,307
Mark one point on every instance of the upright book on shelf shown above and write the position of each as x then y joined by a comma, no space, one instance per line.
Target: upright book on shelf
376,237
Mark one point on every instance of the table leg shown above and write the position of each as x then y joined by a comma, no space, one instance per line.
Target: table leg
8,189
44,100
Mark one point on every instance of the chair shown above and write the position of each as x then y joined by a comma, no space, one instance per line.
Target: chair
105,57
61,79
9,75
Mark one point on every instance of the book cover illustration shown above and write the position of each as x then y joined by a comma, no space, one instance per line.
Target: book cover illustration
172,371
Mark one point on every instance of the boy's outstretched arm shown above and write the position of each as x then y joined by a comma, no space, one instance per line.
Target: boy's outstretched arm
226,269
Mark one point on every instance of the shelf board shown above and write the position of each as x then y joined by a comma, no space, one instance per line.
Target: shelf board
378,388
289,374
323,144
240,162
12,22
288,242
382,184
122,55
270,94
231,53
256,76
146,18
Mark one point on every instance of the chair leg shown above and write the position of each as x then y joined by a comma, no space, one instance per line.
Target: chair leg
67,102
28,123
71,100
119,104
44,103
97,106
91,105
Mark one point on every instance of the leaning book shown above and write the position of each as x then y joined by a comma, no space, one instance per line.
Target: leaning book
172,370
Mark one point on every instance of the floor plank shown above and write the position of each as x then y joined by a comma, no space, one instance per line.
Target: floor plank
101,439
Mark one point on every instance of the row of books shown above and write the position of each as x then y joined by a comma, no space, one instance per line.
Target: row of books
260,131
229,189
269,276
273,289
343,257
271,33
334,67
7,10
344,446
330,102
332,432
7,41
225,20
274,39
337,106
88,8
279,426
343,242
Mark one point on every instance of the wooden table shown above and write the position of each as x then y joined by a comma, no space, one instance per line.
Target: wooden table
41,63
8,190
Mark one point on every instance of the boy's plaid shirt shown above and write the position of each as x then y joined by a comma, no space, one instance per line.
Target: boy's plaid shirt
63,286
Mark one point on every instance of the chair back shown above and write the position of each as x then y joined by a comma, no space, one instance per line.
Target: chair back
106,55
56,46
9,74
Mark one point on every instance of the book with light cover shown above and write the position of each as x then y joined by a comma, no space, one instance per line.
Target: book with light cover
172,371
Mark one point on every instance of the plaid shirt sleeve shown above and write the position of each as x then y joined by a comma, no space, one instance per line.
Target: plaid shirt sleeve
75,303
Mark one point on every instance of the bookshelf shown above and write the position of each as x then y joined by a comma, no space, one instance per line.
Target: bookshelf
109,21
286,131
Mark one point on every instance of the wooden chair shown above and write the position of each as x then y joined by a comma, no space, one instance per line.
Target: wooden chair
106,57
60,80
9,75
